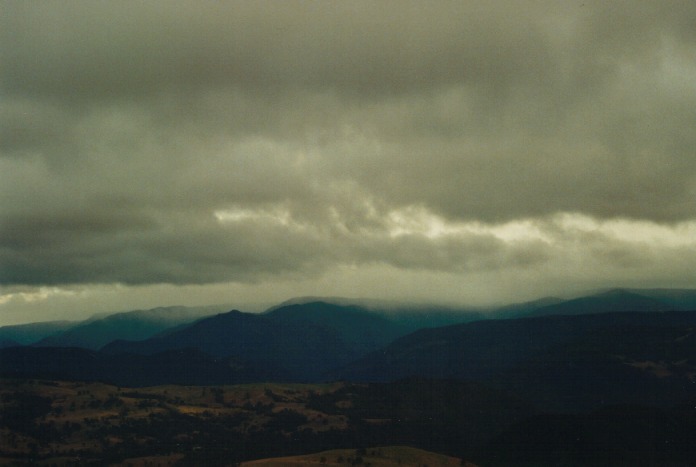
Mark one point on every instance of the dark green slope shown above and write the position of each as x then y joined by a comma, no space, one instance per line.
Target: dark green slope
360,328
303,351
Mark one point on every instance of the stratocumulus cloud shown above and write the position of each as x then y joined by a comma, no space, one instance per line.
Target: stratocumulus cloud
263,144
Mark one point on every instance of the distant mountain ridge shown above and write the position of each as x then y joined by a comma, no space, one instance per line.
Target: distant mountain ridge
520,308
96,332
413,316
611,301
679,299
24,334
408,315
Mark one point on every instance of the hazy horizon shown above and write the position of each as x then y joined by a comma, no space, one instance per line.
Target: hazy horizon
474,153
379,305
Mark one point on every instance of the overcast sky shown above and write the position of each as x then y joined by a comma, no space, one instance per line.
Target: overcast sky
473,152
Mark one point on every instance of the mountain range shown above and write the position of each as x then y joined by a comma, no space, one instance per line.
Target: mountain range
305,341
25,334
589,381
517,348
96,332
101,329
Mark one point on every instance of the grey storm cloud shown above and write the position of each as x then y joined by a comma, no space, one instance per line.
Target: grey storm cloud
199,142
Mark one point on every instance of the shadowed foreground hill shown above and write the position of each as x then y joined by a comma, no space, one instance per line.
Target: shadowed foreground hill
481,349
559,362
624,435
5,343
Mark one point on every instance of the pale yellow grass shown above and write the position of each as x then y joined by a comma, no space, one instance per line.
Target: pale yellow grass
396,456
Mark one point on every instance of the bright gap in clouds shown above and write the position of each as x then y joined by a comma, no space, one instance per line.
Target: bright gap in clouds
682,234
419,221
43,293
277,216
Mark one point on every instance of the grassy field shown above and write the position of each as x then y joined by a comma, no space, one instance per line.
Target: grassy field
390,456
45,422
60,422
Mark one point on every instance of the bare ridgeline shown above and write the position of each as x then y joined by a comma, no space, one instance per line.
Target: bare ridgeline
606,379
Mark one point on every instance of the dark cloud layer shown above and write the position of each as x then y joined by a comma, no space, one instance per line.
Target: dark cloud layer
202,142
